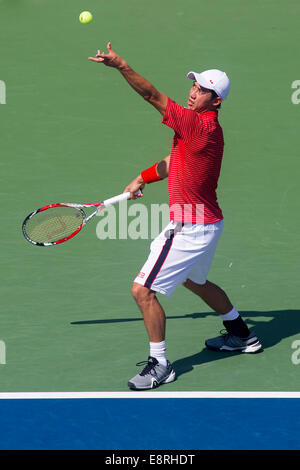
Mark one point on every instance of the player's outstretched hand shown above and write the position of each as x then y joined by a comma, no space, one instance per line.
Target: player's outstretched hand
112,59
134,186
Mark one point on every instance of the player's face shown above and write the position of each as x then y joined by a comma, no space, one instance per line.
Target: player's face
200,99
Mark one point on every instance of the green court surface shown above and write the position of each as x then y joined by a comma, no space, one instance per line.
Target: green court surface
73,130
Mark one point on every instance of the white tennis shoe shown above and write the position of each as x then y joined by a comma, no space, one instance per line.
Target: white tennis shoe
153,375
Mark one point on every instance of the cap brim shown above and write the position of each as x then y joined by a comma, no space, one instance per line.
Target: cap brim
200,80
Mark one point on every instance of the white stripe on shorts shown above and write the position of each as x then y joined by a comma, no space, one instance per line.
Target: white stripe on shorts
180,252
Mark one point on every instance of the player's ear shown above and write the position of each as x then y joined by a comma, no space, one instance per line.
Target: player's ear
217,101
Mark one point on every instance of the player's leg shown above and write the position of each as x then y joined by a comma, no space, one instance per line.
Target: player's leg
218,301
156,276
157,369
212,295
239,338
152,311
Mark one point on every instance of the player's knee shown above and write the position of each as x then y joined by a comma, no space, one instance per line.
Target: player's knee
140,293
137,291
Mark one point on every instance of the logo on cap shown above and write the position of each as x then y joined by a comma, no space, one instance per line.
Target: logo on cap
211,81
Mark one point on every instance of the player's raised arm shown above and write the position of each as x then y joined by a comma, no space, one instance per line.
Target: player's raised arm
142,86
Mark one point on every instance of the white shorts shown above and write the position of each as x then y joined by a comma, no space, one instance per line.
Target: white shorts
181,251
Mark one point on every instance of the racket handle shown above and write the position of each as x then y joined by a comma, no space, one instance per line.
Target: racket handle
119,198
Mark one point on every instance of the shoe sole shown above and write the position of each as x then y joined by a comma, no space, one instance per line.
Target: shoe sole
171,377
249,349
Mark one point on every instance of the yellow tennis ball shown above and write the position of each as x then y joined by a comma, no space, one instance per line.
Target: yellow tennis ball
85,17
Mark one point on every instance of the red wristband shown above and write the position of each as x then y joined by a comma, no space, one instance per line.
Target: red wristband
150,175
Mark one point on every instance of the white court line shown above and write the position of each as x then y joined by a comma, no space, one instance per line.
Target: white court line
149,394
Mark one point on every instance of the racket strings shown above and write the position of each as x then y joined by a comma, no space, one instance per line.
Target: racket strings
54,224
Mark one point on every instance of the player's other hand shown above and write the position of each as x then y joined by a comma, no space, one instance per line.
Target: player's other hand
134,186
112,59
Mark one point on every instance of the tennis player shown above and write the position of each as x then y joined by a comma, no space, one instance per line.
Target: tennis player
183,252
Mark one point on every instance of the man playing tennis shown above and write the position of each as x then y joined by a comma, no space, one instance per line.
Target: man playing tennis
183,252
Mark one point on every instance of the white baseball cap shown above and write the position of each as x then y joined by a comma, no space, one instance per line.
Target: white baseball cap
214,79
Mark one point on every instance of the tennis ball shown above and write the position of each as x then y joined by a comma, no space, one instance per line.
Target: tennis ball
85,17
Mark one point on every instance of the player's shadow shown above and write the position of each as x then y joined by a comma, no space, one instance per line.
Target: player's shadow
270,326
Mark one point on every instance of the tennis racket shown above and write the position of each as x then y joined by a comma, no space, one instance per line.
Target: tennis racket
57,223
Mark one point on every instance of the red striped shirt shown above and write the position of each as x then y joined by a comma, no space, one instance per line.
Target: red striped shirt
195,164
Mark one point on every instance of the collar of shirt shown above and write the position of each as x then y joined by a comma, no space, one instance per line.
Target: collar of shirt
209,113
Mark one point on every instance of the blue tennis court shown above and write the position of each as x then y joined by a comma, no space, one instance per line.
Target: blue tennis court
150,423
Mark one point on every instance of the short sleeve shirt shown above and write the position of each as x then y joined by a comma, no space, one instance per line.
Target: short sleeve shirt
195,164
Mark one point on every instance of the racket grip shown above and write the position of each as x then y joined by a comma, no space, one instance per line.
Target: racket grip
119,198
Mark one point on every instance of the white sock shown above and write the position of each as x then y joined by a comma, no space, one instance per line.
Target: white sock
158,350
232,315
